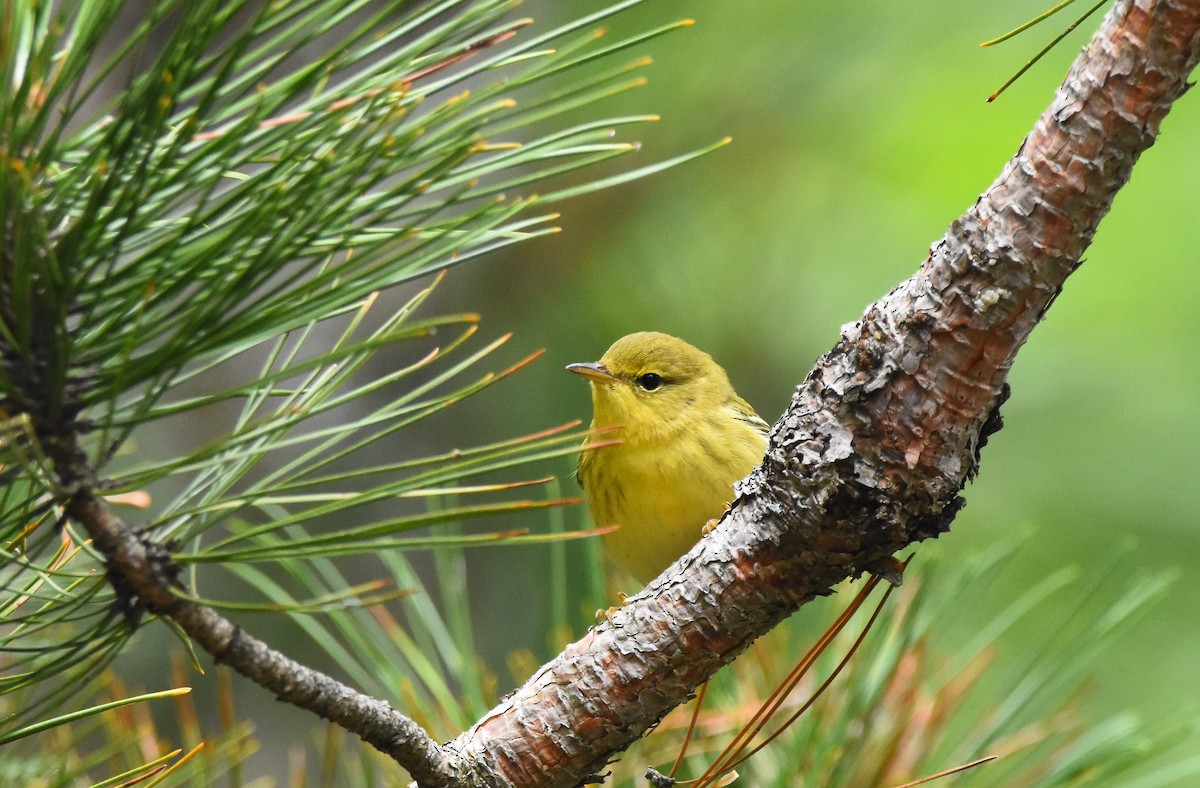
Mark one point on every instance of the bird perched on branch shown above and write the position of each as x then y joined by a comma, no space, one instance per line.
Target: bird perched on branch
682,437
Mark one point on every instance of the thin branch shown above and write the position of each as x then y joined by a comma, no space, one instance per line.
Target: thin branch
144,575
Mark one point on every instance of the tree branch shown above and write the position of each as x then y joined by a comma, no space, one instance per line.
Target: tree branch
143,574
881,437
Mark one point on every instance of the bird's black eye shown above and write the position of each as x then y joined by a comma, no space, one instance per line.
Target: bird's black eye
649,381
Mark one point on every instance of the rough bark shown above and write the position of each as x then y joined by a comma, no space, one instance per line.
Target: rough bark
879,440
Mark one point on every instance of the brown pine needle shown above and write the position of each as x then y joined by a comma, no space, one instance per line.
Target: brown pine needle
733,755
535,355
949,772
691,728
825,684
470,50
148,775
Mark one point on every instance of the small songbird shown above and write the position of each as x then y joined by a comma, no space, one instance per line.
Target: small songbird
685,437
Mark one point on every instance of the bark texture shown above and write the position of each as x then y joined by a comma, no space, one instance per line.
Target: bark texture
879,440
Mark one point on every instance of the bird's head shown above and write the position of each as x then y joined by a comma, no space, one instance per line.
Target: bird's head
653,384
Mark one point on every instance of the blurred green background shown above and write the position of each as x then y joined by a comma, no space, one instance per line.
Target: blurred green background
859,132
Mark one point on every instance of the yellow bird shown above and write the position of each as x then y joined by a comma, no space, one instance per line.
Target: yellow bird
685,438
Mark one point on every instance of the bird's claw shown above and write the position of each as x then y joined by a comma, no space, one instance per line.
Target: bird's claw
606,614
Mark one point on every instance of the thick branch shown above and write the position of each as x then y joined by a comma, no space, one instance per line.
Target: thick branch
881,437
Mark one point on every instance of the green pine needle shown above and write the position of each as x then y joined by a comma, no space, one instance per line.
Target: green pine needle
1053,43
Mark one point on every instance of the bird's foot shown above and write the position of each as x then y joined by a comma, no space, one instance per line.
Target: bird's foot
606,614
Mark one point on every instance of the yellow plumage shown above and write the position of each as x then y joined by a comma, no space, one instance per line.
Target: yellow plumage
685,438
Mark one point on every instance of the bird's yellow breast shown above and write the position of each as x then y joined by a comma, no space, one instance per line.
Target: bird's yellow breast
662,496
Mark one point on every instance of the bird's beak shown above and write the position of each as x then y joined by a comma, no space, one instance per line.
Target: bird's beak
594,371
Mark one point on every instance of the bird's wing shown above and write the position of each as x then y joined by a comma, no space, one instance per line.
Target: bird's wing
585,459
743,412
